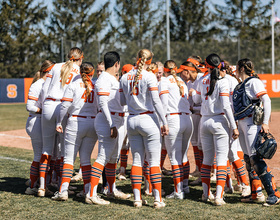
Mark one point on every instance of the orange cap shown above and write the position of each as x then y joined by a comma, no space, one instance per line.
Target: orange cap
127,67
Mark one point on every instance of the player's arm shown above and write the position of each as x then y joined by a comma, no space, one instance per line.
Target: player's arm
163,94
267,111
47,83
33,97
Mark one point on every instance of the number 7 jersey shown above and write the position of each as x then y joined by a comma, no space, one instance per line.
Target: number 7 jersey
81,104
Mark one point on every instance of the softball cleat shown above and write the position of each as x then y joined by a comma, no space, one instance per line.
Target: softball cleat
60,196
31,191
238,188
259,199
97,200
271,200
138,204
246,191
210,198
118,194
78,177
219,202
176,195
159,205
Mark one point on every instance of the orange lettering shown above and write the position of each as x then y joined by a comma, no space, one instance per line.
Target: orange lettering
12,91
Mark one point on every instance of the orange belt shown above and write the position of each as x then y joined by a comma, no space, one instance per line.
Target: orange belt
249,116
179,113
81,116
143,113
53,99
121,114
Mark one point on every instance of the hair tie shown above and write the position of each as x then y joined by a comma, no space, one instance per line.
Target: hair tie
212,67
193,61
155,71
147,62
183,67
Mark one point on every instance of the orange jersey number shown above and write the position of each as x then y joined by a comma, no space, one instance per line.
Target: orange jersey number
90,98
12,91
136,89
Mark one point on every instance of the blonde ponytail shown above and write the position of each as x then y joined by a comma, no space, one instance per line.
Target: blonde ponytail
170,66
75,54
144,57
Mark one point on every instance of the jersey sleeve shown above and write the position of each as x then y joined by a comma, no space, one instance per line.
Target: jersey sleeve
163,87
224,88
258,88
69,93
152,82
102,87
33,97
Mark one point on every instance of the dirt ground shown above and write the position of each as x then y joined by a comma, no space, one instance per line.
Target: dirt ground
20,139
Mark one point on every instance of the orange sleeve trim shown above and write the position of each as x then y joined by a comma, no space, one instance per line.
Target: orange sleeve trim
163,92
153,89
224,94
231,93
261,93
120,90
49,75
32,98
199,93
66,99
103,93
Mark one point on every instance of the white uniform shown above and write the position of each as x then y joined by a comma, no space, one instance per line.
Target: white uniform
33,124
216,115
52,94
195,140
143,127
80,132
180,126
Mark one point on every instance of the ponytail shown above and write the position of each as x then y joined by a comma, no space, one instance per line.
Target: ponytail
87,69
170,66
45,68
248,66
215,73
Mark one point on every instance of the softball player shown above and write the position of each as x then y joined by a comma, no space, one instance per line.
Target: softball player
255,91
174,97
110,130
140,92
61,75
191,75
226,72
78,102
33,124
213,93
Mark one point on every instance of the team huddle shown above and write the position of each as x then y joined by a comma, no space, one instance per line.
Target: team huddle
153,110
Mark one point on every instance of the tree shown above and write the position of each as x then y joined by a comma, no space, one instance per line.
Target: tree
79,25
21,38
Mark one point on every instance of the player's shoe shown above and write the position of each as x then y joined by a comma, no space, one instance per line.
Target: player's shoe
60,196
81,194
176,195
78,177
213,177
229,190
147,193
237,188
138,204
259,199
271,200
196,182
31,191
219,202
195,173
159,205
186,189
118,195
121,175
44,192
210,198
246,191
97,200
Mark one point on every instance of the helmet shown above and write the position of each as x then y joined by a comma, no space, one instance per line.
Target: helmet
265,145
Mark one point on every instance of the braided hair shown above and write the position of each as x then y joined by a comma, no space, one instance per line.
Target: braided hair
248,67
87,68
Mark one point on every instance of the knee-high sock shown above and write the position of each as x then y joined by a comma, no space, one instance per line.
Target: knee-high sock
67,172
201,159
124,156
256,184
156,182
221,180
86,177
186,172
205,179
228,179
61,166
162,158
146,173
196,157
34,172
177,171
240,171
44,166
136,181
50,172
57,168
96,172
110,170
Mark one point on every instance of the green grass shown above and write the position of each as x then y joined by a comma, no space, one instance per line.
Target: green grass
12,116
275,104
14,204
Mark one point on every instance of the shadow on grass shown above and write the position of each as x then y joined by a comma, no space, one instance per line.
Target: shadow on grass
14,185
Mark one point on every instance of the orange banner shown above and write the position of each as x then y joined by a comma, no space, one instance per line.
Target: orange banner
271,83
27,84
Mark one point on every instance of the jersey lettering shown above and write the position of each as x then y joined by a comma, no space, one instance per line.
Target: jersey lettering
12,91
131,77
